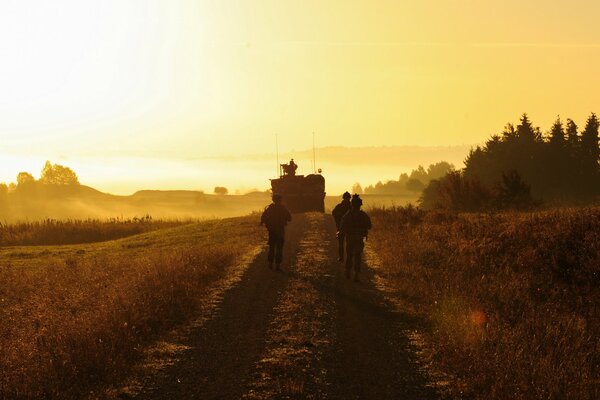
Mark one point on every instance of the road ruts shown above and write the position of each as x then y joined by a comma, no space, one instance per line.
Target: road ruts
299,335
223,351
303,333
373,357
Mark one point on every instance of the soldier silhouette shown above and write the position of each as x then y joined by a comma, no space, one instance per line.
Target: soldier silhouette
275,218
289,169
338,212
292,168
355,226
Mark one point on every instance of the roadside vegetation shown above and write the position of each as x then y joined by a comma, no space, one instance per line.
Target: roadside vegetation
82,319
511,299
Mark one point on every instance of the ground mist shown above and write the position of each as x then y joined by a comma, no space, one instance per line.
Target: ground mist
511,299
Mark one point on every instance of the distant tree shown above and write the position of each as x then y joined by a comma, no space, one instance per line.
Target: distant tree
3,192
55,174
526,133
431,196
414,182
557,133
455,192
356,188
590,153
419,174
23,178
589,139
438,170
414,185
571,132
221,190
513,192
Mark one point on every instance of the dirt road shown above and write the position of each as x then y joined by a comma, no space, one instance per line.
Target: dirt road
303,333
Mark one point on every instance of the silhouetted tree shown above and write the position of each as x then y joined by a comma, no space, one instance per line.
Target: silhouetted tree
589,140
414,185
24,178
557,134
455,192
438,170
590,155
221,190
560,166
58,175
414,182
513,192
526,133
571,131
356,188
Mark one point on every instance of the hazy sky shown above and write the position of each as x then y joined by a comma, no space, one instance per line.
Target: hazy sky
178,80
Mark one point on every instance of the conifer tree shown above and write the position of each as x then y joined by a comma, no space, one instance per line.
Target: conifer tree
557,133
589,140
589,157
525,131
571,131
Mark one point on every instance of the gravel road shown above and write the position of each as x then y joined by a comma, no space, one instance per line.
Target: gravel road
302,333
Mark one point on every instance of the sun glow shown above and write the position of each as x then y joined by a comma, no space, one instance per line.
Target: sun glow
195,79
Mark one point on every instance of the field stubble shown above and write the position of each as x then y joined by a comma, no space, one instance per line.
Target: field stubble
511,299
80,322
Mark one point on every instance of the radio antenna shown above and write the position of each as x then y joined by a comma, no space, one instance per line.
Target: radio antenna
314,159
277,152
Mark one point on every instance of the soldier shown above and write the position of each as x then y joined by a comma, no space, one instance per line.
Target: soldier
275,218
338,212
355,226
293,167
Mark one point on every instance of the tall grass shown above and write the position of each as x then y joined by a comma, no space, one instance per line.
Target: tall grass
54,232
512,298
72,327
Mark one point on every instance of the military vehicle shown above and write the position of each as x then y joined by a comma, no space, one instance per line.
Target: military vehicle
300,193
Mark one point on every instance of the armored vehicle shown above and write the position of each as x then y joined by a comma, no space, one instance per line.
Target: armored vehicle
300,193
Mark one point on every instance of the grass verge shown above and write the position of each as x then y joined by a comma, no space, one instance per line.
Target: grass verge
57,232
76,324
512,298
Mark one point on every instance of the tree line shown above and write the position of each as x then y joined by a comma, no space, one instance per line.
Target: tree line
522,167
52,174
414,182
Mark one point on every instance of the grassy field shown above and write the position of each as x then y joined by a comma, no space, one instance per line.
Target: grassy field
511,299
55,232
75,317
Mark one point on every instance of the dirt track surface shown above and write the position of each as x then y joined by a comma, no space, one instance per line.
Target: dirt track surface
303,333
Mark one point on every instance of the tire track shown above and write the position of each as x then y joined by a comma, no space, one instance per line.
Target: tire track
298,337
374,357
424,361
215,358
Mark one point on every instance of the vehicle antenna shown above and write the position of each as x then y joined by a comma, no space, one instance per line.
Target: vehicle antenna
277,152
314,159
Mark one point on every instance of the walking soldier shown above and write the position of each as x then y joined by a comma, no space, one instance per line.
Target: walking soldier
355,226
338,212
275,218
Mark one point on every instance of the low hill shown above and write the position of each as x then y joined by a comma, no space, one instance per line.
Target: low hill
38,201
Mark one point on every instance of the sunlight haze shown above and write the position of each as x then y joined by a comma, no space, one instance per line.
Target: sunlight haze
107,87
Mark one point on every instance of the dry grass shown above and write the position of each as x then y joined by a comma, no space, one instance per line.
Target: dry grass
55,232
512,299
78,323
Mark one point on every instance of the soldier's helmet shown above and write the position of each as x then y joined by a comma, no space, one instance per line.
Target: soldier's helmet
356,201
346,196
277,198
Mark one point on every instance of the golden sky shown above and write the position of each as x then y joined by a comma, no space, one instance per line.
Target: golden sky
179,80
